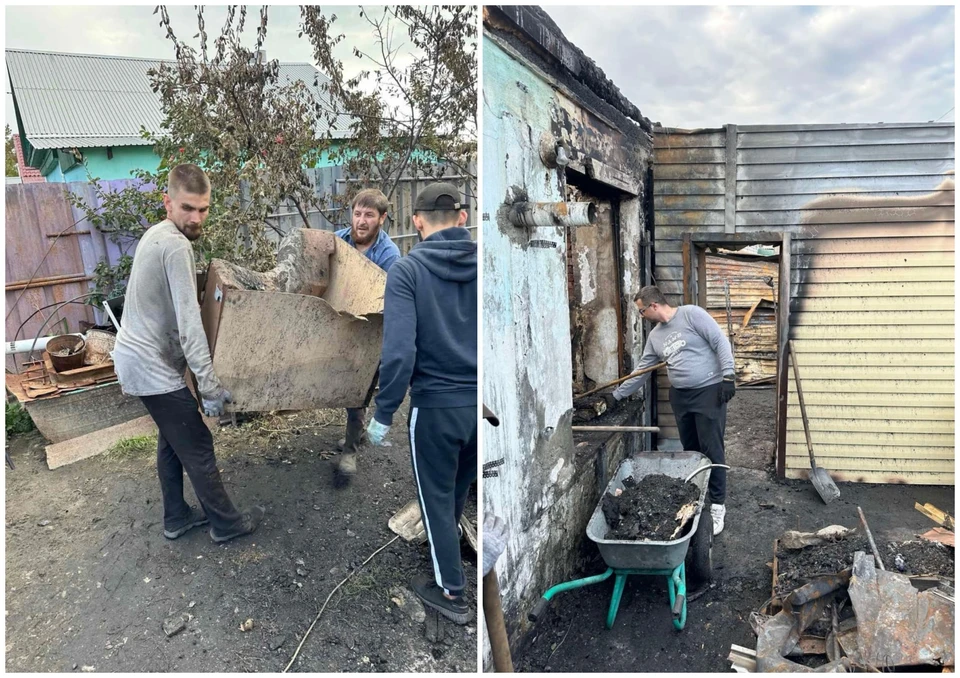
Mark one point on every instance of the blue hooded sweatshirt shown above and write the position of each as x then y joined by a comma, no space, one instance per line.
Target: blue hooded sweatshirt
430,326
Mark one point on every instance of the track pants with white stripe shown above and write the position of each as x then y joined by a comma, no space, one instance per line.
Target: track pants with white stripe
443,447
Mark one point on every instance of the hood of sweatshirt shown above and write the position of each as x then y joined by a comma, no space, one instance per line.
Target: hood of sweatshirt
449,254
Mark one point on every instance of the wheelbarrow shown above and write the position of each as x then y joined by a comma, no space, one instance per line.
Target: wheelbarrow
659,558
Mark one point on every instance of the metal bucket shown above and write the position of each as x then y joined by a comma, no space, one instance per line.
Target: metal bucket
66,352
650,555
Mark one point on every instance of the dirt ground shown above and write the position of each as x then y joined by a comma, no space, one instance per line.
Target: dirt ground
572,636
90,579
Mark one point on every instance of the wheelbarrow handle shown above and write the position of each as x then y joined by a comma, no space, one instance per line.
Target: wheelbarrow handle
538,610
678,605
704,468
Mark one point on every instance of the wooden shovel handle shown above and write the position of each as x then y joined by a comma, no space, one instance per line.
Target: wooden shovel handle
621,380
803,409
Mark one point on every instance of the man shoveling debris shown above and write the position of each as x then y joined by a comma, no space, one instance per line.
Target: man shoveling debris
366,234
700,366
161,335
430,345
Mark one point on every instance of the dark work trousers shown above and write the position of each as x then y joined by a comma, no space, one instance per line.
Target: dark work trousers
356,418
702,420
185,444
443,446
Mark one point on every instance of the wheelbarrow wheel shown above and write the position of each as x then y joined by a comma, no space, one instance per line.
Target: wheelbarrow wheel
699,556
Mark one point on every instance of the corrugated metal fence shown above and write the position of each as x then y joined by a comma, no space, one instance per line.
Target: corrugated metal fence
37,212
870,212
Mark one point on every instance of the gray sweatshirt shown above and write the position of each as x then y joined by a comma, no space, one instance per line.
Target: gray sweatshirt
162,333
694,347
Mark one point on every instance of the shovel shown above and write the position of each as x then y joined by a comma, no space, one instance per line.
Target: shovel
822,481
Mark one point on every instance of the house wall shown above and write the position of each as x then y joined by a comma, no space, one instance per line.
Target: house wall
870,211
125,160
550,476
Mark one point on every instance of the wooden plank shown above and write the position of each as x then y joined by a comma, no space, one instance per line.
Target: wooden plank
826,231
690,218
879,426
830,153
874,317
865,332
673,172
944,275
936,515
779,203
97,442
941,535
845,215
691,187
889,168
905,451
881,477
697,140
873,413
878,386
883,289
857,464
919,243
664,203
907,184
896,439
730,188
893,370
847,136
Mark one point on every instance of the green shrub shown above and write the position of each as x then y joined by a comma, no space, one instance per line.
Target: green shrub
18,420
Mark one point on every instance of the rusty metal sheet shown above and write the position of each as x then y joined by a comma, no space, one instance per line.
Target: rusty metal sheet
896,624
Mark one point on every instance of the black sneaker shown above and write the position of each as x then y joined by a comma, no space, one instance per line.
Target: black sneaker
455,610
251,520
195,519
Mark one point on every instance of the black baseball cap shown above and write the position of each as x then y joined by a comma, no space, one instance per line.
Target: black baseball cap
440,196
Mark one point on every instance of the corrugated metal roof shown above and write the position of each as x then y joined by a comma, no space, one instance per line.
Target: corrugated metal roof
83,100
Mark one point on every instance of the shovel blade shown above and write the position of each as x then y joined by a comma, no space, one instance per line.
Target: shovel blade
824,484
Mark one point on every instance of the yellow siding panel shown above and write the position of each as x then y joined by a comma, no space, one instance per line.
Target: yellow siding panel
889,371
860,332
821,316
868,438
899,259
883,478
860,399
889,345
893,465
798,458
890,291
876,359
879,426
945,302
886,275
871,412
877,386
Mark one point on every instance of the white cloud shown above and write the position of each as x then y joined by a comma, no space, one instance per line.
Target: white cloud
706,66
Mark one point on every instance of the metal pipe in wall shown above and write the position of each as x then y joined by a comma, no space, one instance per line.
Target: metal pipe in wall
565,214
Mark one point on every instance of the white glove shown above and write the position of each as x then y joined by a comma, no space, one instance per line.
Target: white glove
494,541
213,407
376,432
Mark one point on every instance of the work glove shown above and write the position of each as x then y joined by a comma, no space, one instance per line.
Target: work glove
610,400
213,407
728,389
376,432
494,541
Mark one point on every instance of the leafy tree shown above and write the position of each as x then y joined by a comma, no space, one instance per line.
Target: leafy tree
11,153
414,104
227,110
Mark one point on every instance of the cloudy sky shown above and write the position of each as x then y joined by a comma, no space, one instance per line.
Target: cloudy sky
134,31
695,67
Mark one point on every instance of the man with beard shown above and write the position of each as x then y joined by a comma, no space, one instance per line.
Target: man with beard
367,236
161,335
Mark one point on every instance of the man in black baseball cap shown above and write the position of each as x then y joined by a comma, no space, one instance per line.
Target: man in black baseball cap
430,345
